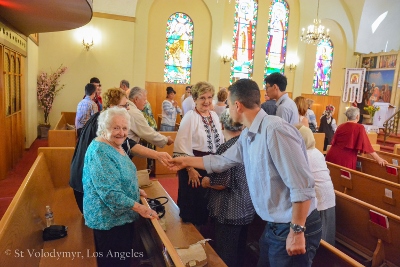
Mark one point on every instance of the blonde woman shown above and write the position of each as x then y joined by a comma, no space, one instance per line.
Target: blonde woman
302,107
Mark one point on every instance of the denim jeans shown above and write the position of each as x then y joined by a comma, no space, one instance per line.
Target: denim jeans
273,244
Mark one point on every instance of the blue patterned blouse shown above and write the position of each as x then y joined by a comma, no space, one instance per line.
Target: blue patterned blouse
110,187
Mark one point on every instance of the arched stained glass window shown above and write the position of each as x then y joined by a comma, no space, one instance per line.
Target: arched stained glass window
244,36
275,55
178,49
323,68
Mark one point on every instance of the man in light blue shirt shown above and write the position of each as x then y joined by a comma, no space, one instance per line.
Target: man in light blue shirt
280,181
275,86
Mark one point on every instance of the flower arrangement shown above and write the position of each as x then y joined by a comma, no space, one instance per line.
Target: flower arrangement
47,89
371,110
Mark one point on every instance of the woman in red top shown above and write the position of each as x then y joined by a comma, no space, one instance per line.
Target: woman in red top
350,138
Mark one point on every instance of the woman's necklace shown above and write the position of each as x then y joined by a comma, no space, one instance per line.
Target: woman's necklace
206,119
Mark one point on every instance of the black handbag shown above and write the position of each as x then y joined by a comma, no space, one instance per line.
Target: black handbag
157,206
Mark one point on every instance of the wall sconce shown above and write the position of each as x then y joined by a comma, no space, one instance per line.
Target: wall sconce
292,67
226,58
86,44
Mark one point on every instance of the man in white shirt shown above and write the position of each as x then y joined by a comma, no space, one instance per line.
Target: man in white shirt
188,104
139,125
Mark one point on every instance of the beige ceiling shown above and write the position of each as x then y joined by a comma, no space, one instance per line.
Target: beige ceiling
36,16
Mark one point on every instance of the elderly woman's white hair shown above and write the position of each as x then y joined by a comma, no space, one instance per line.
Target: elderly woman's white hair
106,117
351,113
228,123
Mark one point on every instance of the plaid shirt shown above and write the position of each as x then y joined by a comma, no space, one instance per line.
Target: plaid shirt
86,108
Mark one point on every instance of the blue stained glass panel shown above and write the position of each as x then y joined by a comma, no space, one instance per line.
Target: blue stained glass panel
178,49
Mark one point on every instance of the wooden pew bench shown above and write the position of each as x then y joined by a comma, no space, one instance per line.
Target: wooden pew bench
21,226
389,157
61,136
356,231
373,190
319,141
371,167
329,256
178,234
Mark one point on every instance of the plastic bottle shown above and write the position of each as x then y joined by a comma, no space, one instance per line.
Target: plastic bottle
49,216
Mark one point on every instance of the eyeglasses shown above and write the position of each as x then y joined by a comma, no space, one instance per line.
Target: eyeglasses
124,106
267,86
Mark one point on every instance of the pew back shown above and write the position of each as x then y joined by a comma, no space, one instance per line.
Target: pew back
389,157
329,256
60,136
369,166
373,190
364,235
21,226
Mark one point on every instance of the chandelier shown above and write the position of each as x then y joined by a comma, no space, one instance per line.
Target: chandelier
315,32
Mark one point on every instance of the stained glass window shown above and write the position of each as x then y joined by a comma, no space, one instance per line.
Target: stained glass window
178,49
323,68
244,36
275,55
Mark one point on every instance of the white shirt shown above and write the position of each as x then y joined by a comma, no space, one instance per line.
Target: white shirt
192,134
140,128
325,194
188,104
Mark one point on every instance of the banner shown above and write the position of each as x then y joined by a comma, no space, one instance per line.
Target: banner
354,85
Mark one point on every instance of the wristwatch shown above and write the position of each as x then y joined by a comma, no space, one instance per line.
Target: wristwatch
297,228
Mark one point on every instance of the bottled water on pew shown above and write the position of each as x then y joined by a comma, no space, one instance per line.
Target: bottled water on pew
49,216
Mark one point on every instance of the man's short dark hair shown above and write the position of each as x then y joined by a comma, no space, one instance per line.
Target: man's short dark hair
277,78
245,91
94,80
90,88
125,82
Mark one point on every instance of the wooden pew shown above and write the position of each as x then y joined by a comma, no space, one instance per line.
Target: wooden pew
179,234
373,137
329,256
21,226
319,141
368,188
389,157
355,230
60,136
161,170
371,167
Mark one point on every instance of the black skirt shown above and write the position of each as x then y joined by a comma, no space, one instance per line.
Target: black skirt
192,201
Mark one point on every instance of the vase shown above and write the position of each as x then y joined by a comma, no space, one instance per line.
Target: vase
43,131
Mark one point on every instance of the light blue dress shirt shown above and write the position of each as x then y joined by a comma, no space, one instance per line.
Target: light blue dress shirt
277,170
287,109
110,187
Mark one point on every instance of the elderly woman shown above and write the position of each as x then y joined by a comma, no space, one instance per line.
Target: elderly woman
111,201
327,125
350,138
170,110
229,201
199,134
302,107
112,98
324,190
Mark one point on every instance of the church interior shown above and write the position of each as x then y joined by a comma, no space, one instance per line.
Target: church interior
126,40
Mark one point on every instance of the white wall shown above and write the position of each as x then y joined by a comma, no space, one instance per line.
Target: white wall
31,104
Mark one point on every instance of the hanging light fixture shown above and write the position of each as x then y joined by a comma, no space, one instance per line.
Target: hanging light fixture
315,32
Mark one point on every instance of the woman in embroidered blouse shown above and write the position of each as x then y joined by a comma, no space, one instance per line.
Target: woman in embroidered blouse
170,110
229,202
111,200
199,134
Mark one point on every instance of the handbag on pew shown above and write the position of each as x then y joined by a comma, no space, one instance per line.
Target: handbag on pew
157,206
55,232
144,178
